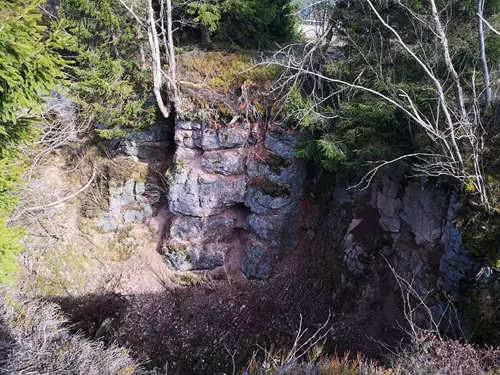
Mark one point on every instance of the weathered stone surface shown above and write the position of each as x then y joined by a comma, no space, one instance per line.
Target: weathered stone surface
193,193
181,257
265,204
267,227
212,228
227,163
188,256
258,257
126,202
457,262
219,185
150,144
283,142
187,228
424,211
217,194
188,125
211,257
231,136
219,227
390,187
389,210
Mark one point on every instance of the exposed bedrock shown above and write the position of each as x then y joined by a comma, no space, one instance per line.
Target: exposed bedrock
408,225
233,184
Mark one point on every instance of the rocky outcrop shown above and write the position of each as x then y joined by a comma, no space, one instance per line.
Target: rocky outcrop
233,187
409,225
133,178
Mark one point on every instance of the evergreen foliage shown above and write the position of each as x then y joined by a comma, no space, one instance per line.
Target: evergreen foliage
109,86
30,67
248,23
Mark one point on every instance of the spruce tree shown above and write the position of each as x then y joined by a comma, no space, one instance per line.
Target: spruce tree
30,67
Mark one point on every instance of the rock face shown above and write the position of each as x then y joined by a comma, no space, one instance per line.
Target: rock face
408,225
134,185
233,188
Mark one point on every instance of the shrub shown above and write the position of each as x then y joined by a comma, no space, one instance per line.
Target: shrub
33,340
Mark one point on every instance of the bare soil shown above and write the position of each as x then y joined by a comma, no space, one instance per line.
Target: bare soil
205,327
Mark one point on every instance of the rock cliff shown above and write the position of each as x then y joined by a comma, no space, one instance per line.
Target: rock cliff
234,195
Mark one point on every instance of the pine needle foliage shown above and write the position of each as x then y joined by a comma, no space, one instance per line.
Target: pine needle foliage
30,67
110,85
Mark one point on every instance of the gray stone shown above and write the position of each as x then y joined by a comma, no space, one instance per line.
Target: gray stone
457,263
267,227
390,187
232,136
181,260
284,144
227,163
188,125
256,262
265,204
389,209
219,227
424,211
217,194
107,225
194,194
212,228
133,216
148,144
187,228
211,257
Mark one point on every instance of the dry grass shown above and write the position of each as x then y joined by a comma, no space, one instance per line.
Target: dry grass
34,341
224,84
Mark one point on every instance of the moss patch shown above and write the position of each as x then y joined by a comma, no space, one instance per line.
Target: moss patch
124,169
220,85
276,163
271,188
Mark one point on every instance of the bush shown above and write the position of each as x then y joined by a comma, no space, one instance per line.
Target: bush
33,340
426,355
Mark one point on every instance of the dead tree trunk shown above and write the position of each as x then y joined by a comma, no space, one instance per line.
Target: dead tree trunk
482,49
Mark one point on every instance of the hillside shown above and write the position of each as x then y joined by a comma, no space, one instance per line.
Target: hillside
201,187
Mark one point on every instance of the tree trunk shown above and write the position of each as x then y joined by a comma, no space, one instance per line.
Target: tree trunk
482,49
156,60
171,51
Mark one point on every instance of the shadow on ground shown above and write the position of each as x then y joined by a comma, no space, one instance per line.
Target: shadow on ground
203,328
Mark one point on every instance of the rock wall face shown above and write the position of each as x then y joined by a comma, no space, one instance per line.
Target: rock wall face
408,225
234,194
134,177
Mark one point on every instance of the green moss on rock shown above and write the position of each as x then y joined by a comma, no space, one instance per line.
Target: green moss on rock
271,188
276,163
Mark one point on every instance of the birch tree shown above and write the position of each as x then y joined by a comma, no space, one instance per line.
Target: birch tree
149,22
451,121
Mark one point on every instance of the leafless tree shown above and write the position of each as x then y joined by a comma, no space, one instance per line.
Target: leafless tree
454,126
149,22
482,49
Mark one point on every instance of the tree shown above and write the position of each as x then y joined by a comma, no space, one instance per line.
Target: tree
109,82
30,67
149,22
407,85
